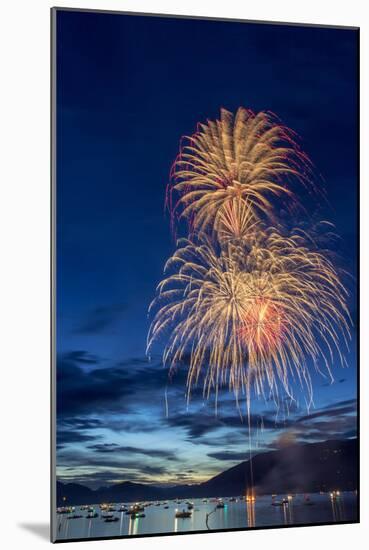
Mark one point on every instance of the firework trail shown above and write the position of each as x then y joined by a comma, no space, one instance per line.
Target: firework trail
247,156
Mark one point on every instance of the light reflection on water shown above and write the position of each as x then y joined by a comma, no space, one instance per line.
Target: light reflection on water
250,510
239,514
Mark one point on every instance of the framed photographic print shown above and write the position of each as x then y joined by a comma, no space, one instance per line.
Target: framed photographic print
205,192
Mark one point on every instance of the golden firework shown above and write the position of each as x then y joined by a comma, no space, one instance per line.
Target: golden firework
254,315
248,156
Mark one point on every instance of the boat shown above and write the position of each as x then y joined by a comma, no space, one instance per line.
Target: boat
220,504
92,515
107,516
136,508
307,501
138,515
107,507
111,519
189,506
65,510
183,514
283,502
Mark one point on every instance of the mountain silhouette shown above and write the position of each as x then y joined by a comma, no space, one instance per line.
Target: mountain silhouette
299,468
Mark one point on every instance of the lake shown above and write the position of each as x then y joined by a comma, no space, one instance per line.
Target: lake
321,508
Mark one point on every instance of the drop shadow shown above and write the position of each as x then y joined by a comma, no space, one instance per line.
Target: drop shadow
42,530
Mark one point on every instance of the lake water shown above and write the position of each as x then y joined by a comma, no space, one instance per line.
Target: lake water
235,514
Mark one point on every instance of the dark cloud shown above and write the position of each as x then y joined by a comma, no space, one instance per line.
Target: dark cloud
80,392
81,423
198,426
344,403
347,407
103,389
101,318
333,422
114,448
81,357
229,455
114,463
96,479
69,436
227,439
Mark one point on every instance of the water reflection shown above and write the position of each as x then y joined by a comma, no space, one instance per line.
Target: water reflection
288,512
337,505
250,511
267,510
121,524
133,526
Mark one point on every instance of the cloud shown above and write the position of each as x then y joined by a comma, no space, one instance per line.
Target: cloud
78,423
114,448
104,388
227,439
229,455
83,460
334,421
80,392
106,477
344,407
69,436
101,318
80,357
199,425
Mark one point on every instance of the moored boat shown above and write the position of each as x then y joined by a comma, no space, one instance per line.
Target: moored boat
111,519
183,514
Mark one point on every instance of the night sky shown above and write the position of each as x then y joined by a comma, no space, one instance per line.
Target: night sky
128,88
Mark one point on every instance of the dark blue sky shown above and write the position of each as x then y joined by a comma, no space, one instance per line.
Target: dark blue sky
128,88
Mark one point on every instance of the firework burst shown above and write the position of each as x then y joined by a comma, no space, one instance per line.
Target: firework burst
247,156
250,315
